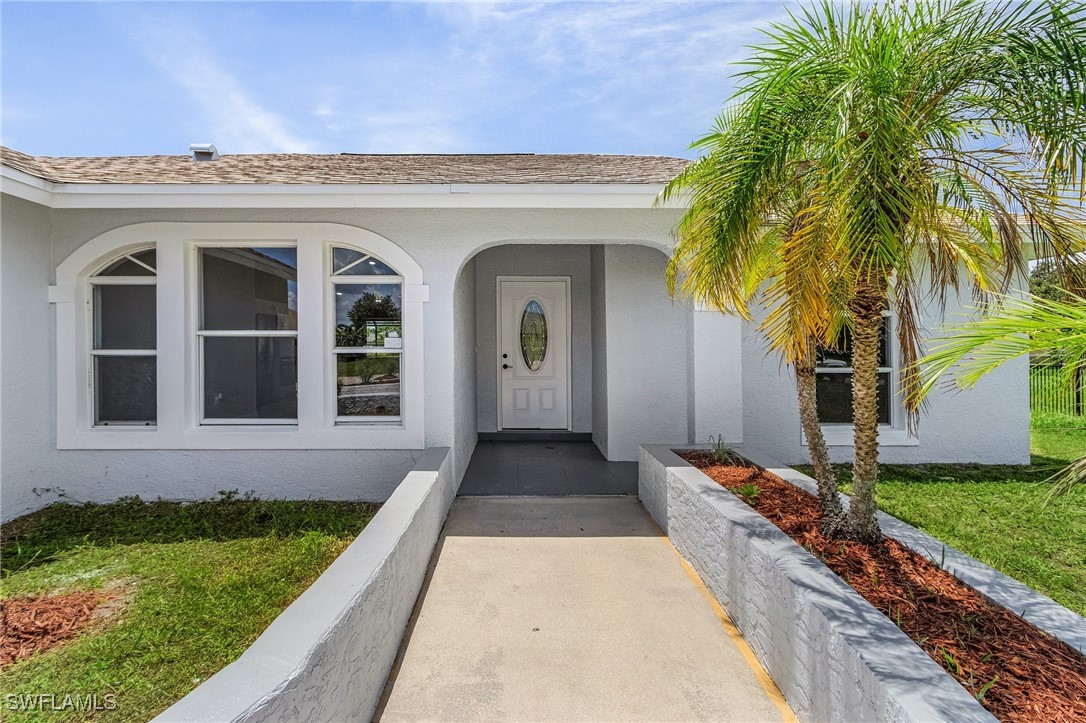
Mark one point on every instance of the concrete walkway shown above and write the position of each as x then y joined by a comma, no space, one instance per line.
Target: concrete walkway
577,608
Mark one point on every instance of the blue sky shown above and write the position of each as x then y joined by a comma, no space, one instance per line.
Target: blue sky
143,78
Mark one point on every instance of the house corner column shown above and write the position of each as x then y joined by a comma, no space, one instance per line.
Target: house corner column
717,376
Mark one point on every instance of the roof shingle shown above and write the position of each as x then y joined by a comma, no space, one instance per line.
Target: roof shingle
302,168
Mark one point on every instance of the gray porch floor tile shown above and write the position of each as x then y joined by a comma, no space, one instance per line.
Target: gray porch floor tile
546,468
571,609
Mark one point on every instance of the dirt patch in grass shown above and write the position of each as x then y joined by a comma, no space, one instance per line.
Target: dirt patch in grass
1018,672
36,623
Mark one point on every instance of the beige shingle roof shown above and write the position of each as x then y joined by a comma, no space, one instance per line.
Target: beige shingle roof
303,168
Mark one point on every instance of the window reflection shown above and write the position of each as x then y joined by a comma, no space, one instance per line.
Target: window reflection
368,385
249,288
368,315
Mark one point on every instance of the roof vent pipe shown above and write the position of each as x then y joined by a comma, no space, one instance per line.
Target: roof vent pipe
204,152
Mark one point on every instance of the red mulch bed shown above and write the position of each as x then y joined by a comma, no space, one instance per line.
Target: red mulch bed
30,625
1036,677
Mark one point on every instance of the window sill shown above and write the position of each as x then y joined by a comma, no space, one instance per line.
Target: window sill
841,435
245,437
364,424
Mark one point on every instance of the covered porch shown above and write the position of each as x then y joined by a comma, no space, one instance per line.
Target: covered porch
570,355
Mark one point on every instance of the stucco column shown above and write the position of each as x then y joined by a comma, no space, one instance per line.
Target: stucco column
717,376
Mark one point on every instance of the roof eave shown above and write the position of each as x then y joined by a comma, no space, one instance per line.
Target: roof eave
238,195
14,182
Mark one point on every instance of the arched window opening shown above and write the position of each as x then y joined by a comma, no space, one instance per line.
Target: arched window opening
123,307
367,298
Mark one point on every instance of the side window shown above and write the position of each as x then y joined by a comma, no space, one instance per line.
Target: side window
367,300
834,379
248,334
123,349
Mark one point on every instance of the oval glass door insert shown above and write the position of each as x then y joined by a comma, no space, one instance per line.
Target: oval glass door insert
533,335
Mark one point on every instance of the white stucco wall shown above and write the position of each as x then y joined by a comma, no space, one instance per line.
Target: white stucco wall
716,371
599,348
534,260
36,239
989,424
647,353
441,240
464,363
652,371
26,372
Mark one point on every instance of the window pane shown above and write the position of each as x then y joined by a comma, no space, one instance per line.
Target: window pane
885,340
124,317
341,258
835,398
837,356
373,267
533,335
249,288
368,385
125,266
358,263
148,257
840,355
250,378
125,389
368,315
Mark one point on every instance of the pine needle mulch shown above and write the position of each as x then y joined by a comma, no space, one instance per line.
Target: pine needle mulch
30,625
1016,671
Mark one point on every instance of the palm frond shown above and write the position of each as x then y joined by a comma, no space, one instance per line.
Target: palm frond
1020,326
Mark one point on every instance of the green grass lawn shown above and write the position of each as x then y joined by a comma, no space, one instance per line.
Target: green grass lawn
203,581
1058,438
998,514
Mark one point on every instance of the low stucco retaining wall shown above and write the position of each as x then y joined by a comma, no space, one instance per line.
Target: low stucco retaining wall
832,654
327,656
1043,612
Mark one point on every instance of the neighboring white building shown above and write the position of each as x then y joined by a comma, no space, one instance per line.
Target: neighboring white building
305,325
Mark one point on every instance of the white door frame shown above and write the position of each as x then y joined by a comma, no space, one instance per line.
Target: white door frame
569,341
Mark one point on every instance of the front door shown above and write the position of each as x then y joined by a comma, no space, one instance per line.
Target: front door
533,352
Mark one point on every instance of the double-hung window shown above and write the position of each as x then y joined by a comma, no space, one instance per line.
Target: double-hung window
248,334
367,346
834,379
123,349
201,335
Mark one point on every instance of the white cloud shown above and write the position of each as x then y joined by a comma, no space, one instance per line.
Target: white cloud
626,77
235,120
633,67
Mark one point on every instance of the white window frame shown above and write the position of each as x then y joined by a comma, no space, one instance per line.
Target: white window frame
892,434
202,334
93,315
333,279
180,390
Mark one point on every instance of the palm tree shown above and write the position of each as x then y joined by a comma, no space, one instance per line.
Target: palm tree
936,136
1020,326
777,257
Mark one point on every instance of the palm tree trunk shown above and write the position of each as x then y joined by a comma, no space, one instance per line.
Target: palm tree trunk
833,518
866,307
